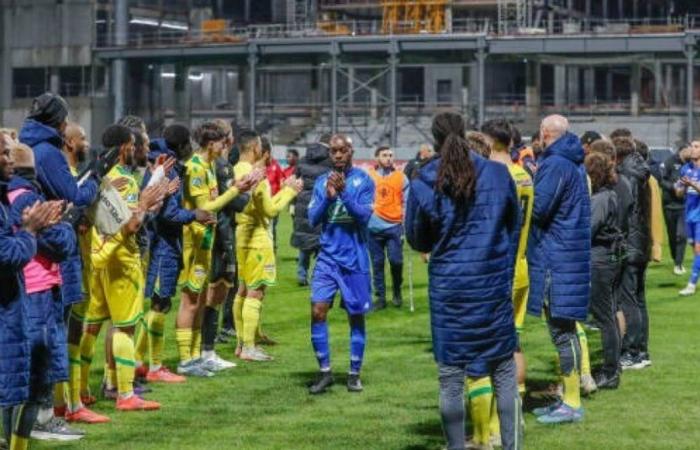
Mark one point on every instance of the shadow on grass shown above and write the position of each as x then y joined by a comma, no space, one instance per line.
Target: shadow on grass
431,431
535,385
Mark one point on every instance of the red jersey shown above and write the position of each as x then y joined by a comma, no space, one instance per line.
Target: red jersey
275,175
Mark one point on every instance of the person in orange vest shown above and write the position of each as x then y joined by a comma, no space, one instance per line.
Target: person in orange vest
385,225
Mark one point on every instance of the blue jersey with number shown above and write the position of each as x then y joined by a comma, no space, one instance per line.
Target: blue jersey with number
344,220
692,197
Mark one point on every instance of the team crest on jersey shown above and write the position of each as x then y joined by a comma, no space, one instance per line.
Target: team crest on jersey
356,182
197,181
132,198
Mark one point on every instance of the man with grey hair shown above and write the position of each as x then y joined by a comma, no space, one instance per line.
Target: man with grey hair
559,257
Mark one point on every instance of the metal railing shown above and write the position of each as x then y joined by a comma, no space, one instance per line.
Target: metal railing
197,37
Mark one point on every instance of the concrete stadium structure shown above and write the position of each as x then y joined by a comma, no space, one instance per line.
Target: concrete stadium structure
297,68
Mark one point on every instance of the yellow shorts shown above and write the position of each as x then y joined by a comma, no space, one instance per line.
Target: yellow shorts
256,267
116,294
520,295
196,258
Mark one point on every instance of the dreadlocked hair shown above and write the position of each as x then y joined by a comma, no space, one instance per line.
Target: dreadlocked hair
456,177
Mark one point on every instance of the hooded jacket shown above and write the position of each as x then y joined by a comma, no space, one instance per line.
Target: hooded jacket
54,244
559,248
16,250
639,234
670,174
314,164
165,231
472,255
606,235
52,169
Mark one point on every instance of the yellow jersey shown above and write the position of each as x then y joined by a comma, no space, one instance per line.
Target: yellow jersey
104,249
526,195
199,186
253,223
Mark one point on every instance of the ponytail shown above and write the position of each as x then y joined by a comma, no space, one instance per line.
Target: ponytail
456,176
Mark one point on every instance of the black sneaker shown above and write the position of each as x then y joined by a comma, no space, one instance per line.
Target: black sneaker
644,359
606,381
354,383
397,300
321,383
379,304
56,430
629,362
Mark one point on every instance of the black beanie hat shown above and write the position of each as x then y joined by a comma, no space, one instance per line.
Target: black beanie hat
49,109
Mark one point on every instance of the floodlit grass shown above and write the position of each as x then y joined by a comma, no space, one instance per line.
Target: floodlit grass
266,405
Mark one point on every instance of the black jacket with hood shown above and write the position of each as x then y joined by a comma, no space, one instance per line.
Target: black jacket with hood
315,163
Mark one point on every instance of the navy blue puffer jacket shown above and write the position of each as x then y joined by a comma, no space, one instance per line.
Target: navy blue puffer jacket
165,232
471,263
559,248
16,250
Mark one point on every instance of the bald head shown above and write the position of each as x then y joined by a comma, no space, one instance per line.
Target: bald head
75,144
341,151
553,127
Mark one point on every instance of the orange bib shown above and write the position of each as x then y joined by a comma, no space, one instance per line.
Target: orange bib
388,197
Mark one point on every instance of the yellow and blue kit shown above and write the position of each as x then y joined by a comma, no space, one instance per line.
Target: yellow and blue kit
116,284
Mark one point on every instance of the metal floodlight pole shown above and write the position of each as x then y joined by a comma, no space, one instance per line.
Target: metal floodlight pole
393,63
690,85
252,83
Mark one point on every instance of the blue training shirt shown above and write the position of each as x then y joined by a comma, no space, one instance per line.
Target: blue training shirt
344,220
692,197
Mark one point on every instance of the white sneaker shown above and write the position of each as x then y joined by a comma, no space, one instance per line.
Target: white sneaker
254,354
679,270
215,363
588,385
688,290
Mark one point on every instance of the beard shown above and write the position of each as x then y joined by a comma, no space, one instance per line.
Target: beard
81,155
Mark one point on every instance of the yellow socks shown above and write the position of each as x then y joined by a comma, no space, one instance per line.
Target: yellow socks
156,330
196,348
480,393
583,341
494,424
251,319
123,350
87,351
142,339
59,394
73,377
238,302
572,386
521,390
183,337
19,443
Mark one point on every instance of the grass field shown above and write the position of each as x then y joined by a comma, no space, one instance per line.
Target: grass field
266,406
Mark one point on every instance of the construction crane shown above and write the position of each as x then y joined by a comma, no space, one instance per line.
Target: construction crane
413,16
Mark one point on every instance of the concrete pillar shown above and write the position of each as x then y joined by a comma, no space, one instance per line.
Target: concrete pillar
635,88
668,84
334,92
559,85
532,88
572,85
351,86
393,94
119,69
588,85
481,67
252,85
182,97
690,87
609,85
605,9
373,100
658,84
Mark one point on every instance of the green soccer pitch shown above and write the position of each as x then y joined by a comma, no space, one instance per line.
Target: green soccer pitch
266,405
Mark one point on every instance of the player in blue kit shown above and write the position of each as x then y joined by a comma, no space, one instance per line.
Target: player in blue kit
689,185
342,203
